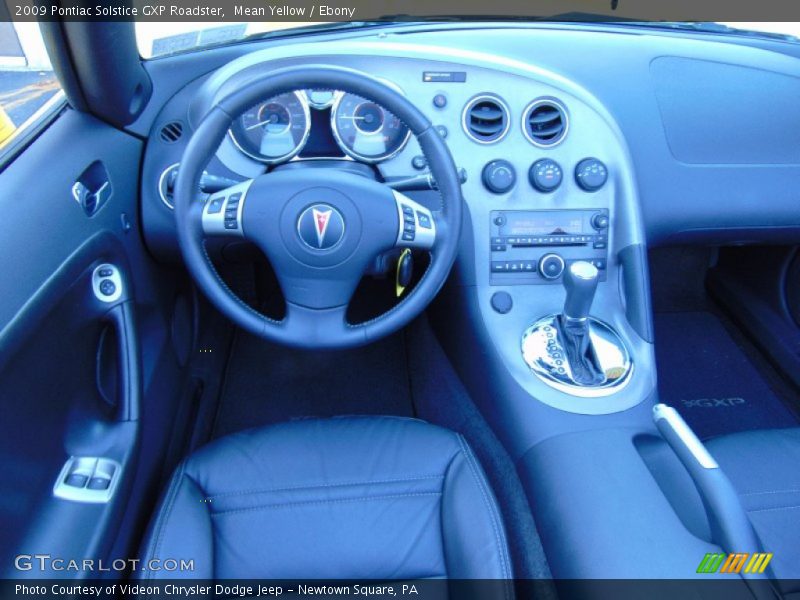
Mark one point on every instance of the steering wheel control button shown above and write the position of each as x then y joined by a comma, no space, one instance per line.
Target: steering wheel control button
215,205
551,266
499,176
591,174
221,214
232,211
545,175
107,283
502,302
417,227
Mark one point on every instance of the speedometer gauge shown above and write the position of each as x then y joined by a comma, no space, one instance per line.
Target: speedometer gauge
275,130
365,130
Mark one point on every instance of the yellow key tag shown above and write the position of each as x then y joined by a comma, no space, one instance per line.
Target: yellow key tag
403,272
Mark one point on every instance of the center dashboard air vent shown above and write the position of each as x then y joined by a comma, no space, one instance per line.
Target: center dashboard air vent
486,119
545,122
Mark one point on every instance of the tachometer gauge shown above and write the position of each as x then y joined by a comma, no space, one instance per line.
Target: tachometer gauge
275,130
365,130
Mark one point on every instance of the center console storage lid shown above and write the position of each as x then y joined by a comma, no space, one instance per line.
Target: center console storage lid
605,511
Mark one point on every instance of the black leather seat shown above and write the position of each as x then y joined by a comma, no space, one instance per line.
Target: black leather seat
764,467
349,497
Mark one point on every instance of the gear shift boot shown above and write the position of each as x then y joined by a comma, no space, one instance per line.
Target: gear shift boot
574,352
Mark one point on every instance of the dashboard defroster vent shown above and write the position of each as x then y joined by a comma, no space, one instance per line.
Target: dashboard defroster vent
545,122
485,119
171,132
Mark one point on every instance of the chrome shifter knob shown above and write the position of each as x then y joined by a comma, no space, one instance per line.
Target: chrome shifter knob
580,281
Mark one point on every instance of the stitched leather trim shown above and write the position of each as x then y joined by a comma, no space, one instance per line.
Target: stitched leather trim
789,491
324,485
313,502
161,521
755,510
497,525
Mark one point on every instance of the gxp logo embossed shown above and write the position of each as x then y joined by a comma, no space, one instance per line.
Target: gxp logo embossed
320,226
714,402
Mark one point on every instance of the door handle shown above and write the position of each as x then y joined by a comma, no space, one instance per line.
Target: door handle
118,362
93,188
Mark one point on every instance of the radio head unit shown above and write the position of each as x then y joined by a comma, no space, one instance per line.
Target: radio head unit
534,246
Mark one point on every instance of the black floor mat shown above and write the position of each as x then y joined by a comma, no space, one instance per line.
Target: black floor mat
265,383
711,380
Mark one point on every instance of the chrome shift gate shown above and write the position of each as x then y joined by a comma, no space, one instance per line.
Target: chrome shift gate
573,352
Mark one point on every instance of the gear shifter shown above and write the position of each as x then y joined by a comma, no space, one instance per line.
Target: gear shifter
580,281
573,351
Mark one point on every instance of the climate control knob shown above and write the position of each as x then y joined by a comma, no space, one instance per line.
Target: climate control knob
545,175
591,174
551,266
499,176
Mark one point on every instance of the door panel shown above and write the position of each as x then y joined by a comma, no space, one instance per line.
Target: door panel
74,380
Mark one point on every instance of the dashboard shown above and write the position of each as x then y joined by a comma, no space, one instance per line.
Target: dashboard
633,110
571,145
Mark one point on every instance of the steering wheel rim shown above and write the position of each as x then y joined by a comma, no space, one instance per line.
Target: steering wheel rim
314,327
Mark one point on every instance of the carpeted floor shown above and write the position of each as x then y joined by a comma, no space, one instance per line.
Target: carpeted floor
265,383
709,378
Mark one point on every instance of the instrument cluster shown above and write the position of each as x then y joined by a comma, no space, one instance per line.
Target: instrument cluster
279,129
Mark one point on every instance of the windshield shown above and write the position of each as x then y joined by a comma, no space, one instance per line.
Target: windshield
161,39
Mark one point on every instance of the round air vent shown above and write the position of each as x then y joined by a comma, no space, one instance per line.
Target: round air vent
171,132
545,122
486,119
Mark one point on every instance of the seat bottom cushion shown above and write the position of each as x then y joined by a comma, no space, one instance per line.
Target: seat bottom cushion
350,497
764,467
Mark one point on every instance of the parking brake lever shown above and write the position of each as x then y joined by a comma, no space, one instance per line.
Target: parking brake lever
730,526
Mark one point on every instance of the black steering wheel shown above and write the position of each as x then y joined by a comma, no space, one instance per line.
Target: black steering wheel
319,228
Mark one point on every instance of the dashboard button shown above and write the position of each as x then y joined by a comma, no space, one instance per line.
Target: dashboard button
502,302
551,266
499,267
600,221
107,287
440,100
545,175
591,174
499,176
